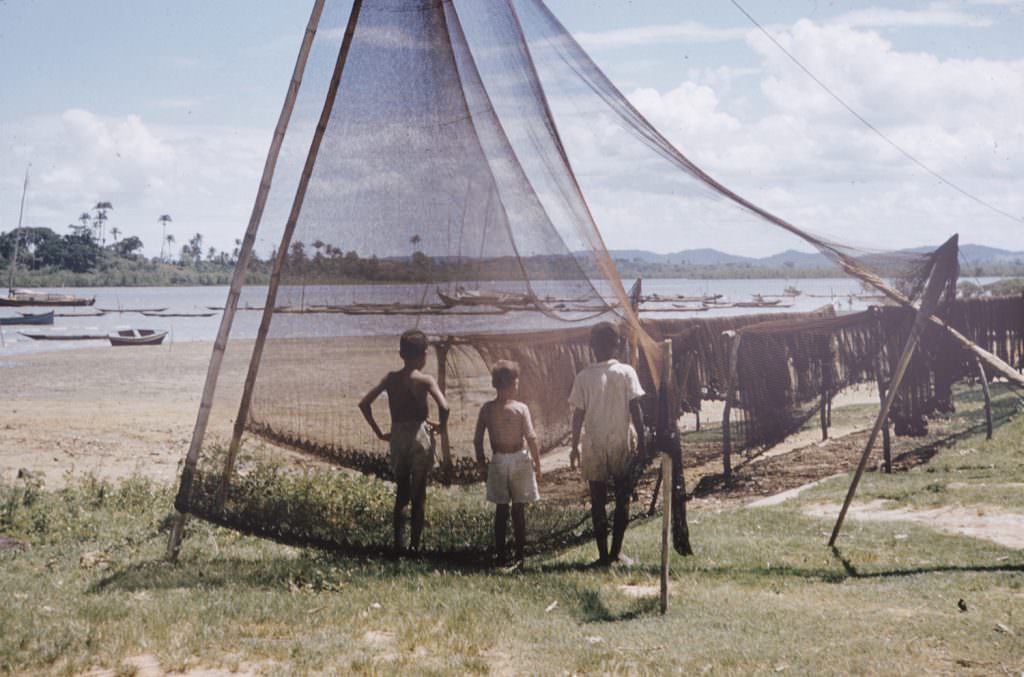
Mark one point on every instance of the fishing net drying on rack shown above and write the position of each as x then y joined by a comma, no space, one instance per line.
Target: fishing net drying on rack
444,168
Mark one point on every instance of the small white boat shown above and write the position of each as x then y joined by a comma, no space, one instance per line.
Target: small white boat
136,337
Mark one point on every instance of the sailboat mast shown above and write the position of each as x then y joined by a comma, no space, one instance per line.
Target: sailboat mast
17,234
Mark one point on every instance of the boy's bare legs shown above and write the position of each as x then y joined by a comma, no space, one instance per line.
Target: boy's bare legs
599,517
402,496
519,529
419,503
500,530
621,518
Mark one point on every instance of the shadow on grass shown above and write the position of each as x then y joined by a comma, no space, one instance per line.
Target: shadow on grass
593,608
852,572
267,572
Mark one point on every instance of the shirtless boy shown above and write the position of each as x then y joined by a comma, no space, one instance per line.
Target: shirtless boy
411,438
511,475
605,398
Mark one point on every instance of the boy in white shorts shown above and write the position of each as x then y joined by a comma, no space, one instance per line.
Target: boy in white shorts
605,396
512,474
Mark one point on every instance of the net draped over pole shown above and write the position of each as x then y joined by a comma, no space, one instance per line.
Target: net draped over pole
435,186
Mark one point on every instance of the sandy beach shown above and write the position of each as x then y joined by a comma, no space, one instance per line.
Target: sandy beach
105,411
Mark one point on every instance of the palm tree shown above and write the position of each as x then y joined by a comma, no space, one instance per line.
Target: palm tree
415,242
169,239
101,210
85,217
164,220
115,232
97,224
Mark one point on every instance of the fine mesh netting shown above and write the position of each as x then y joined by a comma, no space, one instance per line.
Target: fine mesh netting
427,181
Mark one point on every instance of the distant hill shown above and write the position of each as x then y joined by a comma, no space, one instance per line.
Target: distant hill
973,253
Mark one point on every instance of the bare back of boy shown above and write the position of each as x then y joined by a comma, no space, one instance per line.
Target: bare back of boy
407,395
507,424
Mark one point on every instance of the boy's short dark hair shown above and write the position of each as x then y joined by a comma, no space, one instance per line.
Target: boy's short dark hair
605,335
504,373
413,344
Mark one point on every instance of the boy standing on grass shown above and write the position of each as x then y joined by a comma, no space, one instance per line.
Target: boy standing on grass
605,400
411,439
512,474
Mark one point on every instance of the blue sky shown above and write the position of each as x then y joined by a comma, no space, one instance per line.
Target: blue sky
168,108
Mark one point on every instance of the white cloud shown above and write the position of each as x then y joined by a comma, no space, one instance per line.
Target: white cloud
205,178
806,158
648,35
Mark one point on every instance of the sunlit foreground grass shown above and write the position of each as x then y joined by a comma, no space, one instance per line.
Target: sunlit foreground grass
762,595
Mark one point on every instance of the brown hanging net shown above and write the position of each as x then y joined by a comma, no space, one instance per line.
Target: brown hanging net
426,181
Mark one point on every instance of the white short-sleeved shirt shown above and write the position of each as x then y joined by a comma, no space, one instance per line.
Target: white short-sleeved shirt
604,390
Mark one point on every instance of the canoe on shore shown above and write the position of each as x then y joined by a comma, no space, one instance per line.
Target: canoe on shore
131,310
63,336
28,318
154,314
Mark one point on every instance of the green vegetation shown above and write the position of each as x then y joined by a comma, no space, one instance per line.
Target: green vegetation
1011,287
762,595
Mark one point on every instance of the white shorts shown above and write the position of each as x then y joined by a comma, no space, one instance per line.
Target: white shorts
510,479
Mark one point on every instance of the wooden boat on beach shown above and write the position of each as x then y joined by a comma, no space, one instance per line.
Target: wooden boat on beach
154,314
28,318
472,297
132,310
24,297
136,337
62,336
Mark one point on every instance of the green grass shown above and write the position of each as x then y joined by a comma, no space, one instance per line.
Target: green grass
762,595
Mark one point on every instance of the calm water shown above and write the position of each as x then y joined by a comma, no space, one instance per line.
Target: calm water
815,293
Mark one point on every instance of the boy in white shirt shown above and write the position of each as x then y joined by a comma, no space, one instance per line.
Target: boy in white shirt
605,396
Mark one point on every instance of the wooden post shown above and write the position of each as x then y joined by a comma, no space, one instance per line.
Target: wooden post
942,266
666,527
823,413
730,386
988,397
441,348
664,421
237,280
886,442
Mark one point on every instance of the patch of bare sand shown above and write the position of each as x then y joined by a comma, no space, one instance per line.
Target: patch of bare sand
991,523
109,412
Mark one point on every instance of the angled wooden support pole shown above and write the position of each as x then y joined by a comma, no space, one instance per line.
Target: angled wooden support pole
988,397
237,280
942,268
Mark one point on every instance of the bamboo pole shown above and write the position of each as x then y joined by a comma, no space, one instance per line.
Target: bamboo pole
237,280
282,252
988,397
886,441
944,263
730,386
664,421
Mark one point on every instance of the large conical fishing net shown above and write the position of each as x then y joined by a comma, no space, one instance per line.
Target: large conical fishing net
435,175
